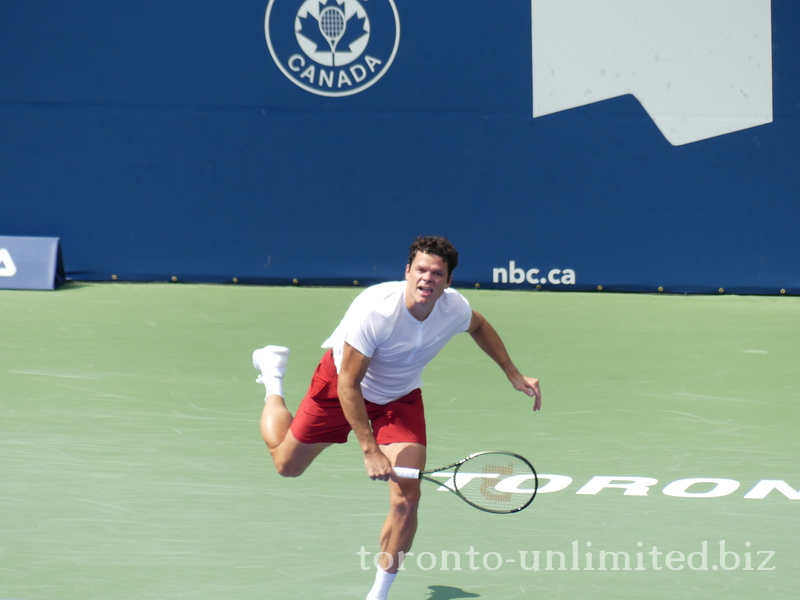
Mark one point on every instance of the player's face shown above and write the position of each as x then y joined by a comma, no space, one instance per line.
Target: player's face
426,280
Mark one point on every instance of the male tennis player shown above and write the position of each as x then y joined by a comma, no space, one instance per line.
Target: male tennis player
369,382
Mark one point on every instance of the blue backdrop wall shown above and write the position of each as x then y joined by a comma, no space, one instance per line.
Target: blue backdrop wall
212,140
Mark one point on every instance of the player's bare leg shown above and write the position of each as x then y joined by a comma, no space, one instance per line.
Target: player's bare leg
400,526
275,421
290,456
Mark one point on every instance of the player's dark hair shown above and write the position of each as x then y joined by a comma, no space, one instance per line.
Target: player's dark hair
434,244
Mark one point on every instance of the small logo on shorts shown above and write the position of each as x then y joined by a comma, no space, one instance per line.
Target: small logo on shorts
332,47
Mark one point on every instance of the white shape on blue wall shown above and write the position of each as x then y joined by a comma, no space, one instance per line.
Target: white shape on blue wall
700,68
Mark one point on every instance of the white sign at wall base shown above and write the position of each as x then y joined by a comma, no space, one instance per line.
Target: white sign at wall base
7,266
30,263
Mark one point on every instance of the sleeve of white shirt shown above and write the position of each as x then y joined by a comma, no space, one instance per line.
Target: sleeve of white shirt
365,322
361,333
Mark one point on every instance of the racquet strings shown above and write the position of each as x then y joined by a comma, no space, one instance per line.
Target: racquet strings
332,24
477,478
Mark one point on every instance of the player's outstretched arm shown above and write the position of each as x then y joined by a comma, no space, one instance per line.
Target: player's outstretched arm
354,367
489,341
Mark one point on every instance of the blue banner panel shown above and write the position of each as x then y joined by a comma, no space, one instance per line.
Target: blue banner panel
30,263
560,145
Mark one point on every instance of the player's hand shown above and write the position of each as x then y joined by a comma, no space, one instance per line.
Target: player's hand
530,387
379,467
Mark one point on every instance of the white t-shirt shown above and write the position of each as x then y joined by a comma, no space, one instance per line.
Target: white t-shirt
378,325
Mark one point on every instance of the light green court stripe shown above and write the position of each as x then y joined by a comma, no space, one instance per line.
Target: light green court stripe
131,465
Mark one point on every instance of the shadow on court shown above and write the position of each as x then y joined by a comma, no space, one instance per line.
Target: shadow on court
445,592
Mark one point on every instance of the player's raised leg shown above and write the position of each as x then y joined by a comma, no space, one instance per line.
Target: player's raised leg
275,418
400,526
290,456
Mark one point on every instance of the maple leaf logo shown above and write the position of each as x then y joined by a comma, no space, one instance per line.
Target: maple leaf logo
332,32
355,30
339,47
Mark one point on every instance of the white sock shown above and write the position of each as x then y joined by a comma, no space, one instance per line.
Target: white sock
380,589
271,361
273,384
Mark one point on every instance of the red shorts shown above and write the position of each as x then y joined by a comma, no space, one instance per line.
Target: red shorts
320,418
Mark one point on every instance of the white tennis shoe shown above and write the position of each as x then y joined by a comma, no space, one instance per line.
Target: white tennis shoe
271,361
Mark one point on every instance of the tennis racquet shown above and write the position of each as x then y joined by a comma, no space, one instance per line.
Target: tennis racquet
496,482
332,25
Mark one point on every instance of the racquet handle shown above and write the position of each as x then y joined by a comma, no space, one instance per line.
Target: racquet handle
406,473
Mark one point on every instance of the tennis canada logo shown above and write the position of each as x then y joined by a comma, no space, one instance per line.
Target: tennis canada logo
332,47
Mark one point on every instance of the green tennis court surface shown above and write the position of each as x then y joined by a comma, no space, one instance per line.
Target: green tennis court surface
131,466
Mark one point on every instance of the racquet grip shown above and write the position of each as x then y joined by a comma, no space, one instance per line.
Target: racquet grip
406,473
